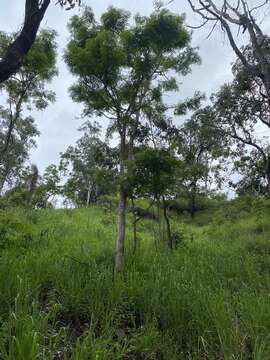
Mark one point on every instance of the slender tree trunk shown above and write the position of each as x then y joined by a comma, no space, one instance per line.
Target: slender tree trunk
268,184
160,233
120,242
168,225
192,204
268,176
88,195
3,178
7,140
193,200
135,220
126,153
266,81
120,245
13,119
32,186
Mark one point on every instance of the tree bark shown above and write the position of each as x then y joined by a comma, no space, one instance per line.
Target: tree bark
32,186
192,200
7,139
135,220
3,178
120,244
168,225
88,194
268,176
13,58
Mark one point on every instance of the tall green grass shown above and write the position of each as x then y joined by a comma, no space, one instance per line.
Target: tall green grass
208,299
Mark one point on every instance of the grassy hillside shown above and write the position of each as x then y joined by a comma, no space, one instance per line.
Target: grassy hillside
208,299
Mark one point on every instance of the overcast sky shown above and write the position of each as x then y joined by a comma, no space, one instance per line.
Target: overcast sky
59,123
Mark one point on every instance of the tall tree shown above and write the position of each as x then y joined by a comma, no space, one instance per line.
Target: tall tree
122,70
25,91
154,176
86,166
251,167
198,144
23,140
243,116
11,59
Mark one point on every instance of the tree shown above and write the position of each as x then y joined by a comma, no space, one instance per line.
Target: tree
234,17
48,187
33,190
23,139
122,71
87,165
242,114
197,144
11,59
253,180
154,176
25,91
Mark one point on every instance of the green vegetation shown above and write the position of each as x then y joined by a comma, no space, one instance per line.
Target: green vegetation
188,274
207,299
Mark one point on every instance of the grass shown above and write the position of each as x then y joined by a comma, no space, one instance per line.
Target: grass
209,299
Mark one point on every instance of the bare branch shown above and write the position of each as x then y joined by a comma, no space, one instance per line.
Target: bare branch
259,6
198,26
213,28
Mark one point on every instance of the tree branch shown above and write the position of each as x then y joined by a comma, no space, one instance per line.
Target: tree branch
13,58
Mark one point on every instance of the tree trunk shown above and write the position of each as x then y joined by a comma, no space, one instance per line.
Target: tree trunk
135,220
88,194
193,200
168,225
120,244
32,186
3,178
126,153
268,176
192,204
7,139
13,58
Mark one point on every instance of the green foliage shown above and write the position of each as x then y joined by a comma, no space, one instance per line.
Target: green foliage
121,68
241,108
39,67
90,167
153,174
25,90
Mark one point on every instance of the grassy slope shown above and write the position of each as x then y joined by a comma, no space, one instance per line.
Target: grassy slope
209,299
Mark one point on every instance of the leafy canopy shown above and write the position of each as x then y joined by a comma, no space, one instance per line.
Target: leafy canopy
122,68
38,68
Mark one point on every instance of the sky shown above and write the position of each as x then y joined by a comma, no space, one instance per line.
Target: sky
59,123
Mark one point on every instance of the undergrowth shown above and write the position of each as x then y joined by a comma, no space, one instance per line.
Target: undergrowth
208,299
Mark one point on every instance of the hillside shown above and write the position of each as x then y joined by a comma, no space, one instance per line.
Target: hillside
206,299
